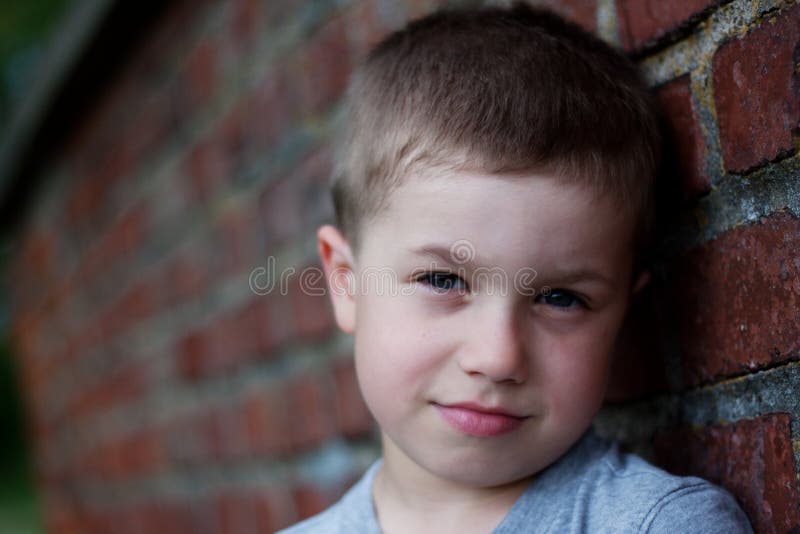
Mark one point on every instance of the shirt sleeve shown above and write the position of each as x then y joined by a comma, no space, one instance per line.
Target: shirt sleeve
698,508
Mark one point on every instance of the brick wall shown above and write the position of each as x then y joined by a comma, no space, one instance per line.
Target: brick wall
166,395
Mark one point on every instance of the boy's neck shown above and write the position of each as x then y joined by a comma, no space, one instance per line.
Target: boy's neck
407,498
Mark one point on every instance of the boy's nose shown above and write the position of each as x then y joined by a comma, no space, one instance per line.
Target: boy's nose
495,348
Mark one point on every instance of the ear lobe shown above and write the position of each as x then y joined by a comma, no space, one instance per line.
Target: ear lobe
337,261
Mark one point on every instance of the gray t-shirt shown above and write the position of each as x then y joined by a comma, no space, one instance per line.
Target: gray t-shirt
592,488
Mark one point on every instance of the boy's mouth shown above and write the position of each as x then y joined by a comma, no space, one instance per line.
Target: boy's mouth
477,420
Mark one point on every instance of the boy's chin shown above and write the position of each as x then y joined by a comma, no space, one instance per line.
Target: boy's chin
480,470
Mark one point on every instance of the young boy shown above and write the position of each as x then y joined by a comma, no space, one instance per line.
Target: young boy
494,197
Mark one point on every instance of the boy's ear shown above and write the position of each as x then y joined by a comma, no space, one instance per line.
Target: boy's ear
337,261
642,279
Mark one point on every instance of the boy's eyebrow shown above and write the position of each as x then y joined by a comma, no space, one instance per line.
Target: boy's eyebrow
449,255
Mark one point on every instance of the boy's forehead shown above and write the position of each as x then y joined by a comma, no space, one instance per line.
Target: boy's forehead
494,219
456,197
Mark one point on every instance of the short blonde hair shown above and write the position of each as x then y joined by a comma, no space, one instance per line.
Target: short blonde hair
502,90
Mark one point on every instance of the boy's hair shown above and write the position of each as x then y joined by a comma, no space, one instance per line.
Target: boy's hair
503,91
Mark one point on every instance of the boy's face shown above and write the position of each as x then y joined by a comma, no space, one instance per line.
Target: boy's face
436,352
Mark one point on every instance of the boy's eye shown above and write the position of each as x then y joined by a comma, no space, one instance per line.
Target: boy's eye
560,299
443,282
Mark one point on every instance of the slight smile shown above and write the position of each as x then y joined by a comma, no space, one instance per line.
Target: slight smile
480,421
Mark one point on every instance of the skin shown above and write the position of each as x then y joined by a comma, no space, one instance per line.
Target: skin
438,339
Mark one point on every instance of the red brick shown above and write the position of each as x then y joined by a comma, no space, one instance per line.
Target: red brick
311,416
309,500
735,300
280,319
642,22
118,386
678,105
191,353
212,161
314,194
753,459
313,315
274,508
253,321
365,28
145,135
135,305
280,209
120,241
238,237
271,109
231,434
183,278
324,66
582,12
172,516
205,516
215,348
186,439
757,92
354,419
237,512
38,253
201,74
267,423
298,202
244,22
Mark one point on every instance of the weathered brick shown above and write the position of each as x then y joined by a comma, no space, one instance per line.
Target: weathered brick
677,103
108,390
642,22
267,423
582,12
255,327
191,355
205,515
757,92
119,241
314,189
735,300
232,433
310,500
279,208
182,278
245,18
274,508
312,417
200,76
270,109
753,459
311,308
354,419
324,65
215,348
299,201
215,158
148,128
135,305
237,512
238,235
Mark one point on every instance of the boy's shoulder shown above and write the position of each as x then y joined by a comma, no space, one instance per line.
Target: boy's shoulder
353,513
594,487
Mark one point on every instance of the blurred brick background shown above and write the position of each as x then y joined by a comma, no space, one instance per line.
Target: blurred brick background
165,395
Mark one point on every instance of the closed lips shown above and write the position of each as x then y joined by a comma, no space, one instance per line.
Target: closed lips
480,421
